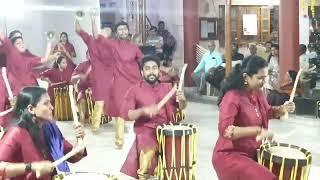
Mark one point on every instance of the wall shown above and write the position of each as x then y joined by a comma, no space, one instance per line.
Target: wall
171,12
43,15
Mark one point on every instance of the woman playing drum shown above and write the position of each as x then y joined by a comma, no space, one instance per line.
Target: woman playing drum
33,136
243,121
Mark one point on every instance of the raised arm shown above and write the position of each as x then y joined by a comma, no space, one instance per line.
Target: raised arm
46,58
95,31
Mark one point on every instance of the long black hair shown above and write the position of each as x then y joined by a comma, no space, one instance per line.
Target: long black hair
250,66
58,61
24,119
66,34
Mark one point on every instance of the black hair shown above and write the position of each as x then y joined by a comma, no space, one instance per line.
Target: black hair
160,22
148,58
11,34
275,46
250,66
303,48
14,39
24,119
66,34
293,75
121,23
153,28
269,42
58,61
235,45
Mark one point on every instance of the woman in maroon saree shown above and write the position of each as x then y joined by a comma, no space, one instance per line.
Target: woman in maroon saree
243,122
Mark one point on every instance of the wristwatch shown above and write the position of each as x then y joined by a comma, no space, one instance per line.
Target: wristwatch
28,167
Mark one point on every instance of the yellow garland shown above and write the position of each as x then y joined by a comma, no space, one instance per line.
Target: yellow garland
313,2
303,4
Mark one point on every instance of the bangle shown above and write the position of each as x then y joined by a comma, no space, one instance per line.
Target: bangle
229,132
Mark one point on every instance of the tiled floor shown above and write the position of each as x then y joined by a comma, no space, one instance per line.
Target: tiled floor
102,157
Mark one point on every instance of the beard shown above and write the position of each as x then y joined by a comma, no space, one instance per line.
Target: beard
152,81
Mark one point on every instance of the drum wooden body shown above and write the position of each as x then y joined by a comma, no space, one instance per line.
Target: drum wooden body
62,106
287,162
177,152
85,176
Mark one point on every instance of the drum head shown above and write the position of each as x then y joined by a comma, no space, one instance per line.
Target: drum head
177,130
287,152
291,154
86,176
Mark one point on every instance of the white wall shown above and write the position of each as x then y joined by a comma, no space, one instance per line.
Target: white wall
58,15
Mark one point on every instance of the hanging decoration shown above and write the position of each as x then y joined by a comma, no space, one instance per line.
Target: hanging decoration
303,5
313,2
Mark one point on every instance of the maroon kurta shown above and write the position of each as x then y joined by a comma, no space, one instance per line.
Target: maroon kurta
3,97
142,95
83,68
236,160
127,57
70,49
102,69
17,146
56,76
19,67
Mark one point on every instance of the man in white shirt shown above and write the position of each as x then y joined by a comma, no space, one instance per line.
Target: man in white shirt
210,59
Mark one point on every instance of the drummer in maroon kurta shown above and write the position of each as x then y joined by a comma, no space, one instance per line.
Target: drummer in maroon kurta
243,122
20,64
67,50
58,76
83,78
24,141
140,104
127,57
102,71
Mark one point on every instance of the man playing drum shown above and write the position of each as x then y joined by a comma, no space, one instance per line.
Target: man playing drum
140,104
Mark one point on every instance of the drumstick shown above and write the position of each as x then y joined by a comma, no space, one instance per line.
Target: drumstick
6,82
167,97
293,92
74,111
5,112
73,152
182,77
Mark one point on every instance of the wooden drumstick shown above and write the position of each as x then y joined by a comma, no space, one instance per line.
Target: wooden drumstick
293,92
6,112
6,82
74,110
166,98
182,77
73,152
181,81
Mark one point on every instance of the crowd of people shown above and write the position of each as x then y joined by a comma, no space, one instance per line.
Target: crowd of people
126,84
